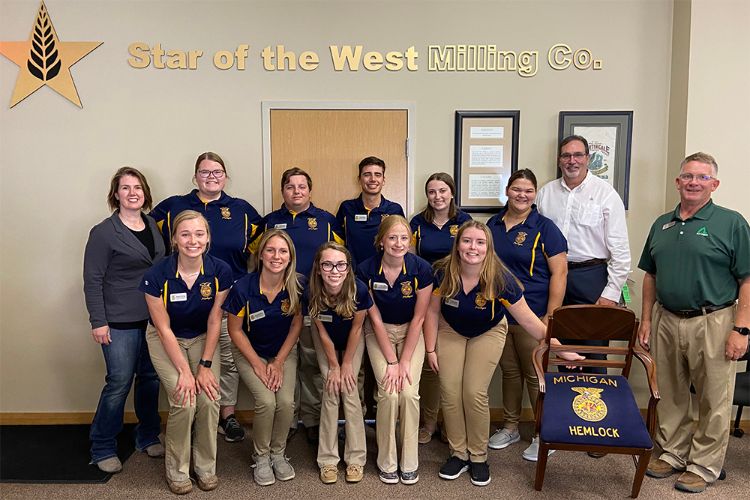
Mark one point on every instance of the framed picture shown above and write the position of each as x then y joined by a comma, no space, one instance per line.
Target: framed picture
609,134
486,154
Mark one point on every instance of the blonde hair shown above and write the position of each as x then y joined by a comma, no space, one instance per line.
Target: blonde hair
291,278
345,302
387,224
182,217
494,277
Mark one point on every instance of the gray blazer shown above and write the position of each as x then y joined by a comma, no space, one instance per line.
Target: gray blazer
113,265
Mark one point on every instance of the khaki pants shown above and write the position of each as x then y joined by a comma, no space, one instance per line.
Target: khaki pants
273,411
230,377
309,382
193,427
429,395
517,366
466,369
392,407
355,447
692,351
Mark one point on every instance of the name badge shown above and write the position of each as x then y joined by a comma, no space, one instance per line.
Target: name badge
325,318
451,302
380,286
668,225
360,217
177,297
306,321
280,226
257,315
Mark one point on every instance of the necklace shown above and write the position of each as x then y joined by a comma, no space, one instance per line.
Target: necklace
188,275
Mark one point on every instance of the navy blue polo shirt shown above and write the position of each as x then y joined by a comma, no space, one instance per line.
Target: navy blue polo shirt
396,303
524,250
337,327
232,222
360,225
188,308
308,229
264,323
433,243
471,314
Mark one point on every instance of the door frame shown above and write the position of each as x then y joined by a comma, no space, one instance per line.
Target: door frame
409,107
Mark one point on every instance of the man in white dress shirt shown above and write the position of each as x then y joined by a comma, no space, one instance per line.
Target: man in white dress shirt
591,215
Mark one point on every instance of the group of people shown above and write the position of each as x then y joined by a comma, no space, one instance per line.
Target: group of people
442,299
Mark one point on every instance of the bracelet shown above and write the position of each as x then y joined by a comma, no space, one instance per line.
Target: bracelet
391,364
430,352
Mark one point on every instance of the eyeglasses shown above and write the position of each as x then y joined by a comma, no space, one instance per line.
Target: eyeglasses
567,156
697,177
205,174
340,266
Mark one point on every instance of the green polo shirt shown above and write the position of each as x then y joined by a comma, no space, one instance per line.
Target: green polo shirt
697,262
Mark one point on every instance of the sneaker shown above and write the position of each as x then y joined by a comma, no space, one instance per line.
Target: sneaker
453,468
409,477
532,452
659,469
424,436
282,469
329,474
691,482
156,450
504,438
231,429
389,477
480,474
263,473
208,483
180,487
354,473
111,465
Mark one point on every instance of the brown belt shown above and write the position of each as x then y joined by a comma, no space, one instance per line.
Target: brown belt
694,313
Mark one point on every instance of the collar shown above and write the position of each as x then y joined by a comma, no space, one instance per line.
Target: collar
173,272
359,200
309,210
531,220
704,213
223,198
581,185
380,264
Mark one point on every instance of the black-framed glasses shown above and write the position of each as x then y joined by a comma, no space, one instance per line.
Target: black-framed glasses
205,174
328,266
577,155
698,177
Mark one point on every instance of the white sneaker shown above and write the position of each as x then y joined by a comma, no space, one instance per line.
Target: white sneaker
504,438
532,452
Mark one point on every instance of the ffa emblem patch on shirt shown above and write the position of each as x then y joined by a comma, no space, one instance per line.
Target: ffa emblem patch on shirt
480,301
406,289
520,238
225,213
453,230
285,306
206,290
312,224
588,404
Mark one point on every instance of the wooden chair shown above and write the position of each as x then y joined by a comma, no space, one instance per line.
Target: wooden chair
592,412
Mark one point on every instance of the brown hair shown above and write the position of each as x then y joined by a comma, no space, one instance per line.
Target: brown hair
345,303
524,173
387,224
182,217
114,185
371,160
211,156
291,278
429,213
572,138
295,171
701,158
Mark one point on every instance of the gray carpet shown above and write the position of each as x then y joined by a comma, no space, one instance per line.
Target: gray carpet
569,475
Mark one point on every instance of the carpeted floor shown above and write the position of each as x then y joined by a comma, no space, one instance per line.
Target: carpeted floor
569,475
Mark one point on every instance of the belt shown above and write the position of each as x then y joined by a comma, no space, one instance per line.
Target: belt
586,263
694,313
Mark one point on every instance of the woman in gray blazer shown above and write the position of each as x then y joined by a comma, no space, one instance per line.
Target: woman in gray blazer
119,251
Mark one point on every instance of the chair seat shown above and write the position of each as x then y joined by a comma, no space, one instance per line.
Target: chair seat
742,389
588,409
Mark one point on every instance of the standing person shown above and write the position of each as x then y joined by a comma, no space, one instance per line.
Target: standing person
309,227
400,284
591,216
534,250
697,264
434,230
184,294
264,322
119,250
233,222
337,303
465,332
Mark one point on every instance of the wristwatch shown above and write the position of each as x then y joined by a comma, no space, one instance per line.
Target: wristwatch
742,330
205,362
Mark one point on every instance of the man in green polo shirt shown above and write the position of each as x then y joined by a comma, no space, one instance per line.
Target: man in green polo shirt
696,314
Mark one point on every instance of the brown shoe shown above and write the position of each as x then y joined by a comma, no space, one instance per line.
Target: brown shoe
208,483
329,474
180,487
658,468
424,436
354,473
596,454
690,482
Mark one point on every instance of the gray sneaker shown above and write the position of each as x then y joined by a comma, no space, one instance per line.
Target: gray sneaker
111,465
263,473
504,438
532,452
282,469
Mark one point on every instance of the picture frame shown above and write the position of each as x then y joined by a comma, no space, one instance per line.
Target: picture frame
486,154
609,134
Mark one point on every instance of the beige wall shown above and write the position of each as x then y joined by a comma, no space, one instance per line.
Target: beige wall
57,159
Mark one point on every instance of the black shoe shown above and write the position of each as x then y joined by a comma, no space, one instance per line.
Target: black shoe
231,429
480,474
453,468
292,432
312,434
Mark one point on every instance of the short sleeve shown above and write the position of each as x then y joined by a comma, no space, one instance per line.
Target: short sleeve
425,277
223,274
235,301
646,262
151,284
740,266
364,300
554,241
513,291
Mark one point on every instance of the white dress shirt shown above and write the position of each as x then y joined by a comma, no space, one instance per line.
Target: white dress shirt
591,216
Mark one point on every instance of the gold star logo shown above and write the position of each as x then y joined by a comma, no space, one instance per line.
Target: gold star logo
44,60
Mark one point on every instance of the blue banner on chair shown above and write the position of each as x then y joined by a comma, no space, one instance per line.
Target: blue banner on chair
592,409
